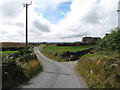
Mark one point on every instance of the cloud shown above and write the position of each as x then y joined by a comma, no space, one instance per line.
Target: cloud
85,17
41,26
3,32
10,9
76,35
63,13
90,16
20,24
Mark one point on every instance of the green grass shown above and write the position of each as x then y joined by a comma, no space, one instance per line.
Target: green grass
66,48
7,52
50,51
100,70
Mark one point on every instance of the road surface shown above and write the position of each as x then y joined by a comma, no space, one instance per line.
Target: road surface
54,75
0,76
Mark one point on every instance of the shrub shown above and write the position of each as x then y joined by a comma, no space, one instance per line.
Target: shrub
104,63
19,63
110,41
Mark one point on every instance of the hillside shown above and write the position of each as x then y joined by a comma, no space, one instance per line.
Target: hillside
102,68
12,44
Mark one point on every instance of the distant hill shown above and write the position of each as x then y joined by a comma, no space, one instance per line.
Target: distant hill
12,44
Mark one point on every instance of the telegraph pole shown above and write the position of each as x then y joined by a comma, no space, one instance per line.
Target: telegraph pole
118,14
26,5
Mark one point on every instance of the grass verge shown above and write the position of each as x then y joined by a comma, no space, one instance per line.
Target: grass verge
100,69
33,67
18,72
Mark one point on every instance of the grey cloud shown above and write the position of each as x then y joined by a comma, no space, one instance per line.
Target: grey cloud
98,1
17,23
10,9
3,32
92,17
21,32
40,26
75,35
34,32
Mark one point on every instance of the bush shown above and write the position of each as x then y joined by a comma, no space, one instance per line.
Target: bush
110,41
14,77
102,68
20,66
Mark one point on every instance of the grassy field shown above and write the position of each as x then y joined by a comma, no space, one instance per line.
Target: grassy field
7,52
51,51
66,48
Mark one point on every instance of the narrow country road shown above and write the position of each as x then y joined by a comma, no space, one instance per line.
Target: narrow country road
54,75
0,71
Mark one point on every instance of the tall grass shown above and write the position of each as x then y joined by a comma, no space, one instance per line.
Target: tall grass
99,70
102,68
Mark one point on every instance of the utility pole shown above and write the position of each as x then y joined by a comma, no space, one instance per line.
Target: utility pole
118,14
26,5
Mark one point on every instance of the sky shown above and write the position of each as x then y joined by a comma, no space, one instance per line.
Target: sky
57,20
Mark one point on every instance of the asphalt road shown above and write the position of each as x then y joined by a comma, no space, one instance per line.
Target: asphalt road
0,76
0,71
54,75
